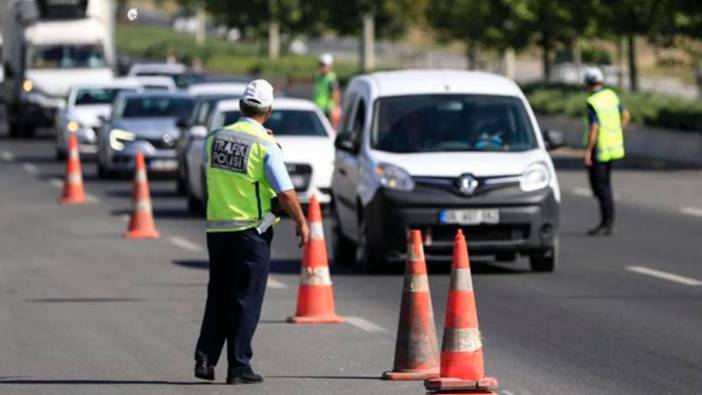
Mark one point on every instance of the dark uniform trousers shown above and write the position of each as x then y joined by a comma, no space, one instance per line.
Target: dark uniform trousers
239,264
600,174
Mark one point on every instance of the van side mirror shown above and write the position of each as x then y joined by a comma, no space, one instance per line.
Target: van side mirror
103,119
554,139
345,142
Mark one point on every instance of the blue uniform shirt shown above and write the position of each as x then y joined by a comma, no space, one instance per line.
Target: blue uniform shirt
274,165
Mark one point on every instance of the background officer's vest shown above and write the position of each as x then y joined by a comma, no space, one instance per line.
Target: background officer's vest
238,193
322,96
610,137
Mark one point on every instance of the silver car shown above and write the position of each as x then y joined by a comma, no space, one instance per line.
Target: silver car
142,122
87,103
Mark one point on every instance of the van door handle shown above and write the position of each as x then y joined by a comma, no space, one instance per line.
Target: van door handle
342,171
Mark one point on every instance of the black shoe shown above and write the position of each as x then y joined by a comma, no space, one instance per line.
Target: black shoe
244,378
601,230
204,370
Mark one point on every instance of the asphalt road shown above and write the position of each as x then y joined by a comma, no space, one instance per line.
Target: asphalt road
84,312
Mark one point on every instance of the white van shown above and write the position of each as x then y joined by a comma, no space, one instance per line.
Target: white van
437,151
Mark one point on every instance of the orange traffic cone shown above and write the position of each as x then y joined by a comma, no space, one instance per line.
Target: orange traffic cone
462,368
315,297
141,224
416,350
73,190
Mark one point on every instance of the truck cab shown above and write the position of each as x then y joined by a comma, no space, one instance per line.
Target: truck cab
65,43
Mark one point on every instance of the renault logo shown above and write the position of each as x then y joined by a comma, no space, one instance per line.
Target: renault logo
168,139
467,184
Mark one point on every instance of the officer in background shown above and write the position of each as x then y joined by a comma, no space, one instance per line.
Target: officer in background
604,144
245,174
327,95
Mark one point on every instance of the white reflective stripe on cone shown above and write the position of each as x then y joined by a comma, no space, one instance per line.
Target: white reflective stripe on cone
142,205
74,178
461,340
415,254
416,283
140,176
461,280
316,231
73,154
315,276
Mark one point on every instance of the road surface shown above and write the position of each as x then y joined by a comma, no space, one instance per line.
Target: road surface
84,312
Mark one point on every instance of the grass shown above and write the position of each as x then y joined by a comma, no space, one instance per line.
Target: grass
219,56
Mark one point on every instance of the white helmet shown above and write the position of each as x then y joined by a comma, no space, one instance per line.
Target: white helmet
326,59
593,75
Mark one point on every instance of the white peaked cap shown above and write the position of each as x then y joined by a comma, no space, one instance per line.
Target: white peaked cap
258,94
326,59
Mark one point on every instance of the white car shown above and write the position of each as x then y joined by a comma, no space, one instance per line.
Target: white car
156,83
303,132
179,73
438,151
211,88
86,105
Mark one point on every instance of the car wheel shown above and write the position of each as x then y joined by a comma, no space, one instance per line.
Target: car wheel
545,260
344,249
195,206
366,257
14,129
60,154
180,185
101,172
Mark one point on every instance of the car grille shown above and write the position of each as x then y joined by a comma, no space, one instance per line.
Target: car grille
444,234
158,143
300,174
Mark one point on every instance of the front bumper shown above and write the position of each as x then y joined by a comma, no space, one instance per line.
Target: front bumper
157,160
528,222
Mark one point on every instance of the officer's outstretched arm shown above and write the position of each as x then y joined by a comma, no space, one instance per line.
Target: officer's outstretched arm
289,202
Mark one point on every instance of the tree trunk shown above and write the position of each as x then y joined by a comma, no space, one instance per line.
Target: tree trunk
621,63
471,54
201,33
546,61
509,63
274,40
368,43
633,70
697,70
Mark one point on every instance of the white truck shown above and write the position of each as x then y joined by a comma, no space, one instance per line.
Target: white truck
50,45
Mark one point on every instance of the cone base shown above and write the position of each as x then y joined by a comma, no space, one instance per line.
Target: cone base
141,234
71,201
446,385
317,319
412,375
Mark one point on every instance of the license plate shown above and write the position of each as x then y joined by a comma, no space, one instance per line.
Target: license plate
163,164
470,216
298,181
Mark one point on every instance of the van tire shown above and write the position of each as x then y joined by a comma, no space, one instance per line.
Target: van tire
545,260
366,257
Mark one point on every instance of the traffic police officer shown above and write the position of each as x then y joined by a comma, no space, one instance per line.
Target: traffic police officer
604,144
326,93
245,173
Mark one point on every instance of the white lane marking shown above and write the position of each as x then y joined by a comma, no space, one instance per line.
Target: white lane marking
56,182
664,275
580,191
184,244
91,198
366,325
275,284
7,156
697,212
29,168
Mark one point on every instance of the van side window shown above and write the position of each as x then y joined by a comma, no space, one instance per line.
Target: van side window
359,121
346,112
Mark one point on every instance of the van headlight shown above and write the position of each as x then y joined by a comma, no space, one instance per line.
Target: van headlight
73,126
393,177
534,178
118,137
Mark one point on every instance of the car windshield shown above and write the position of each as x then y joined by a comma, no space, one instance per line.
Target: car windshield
90,96
154,107
66,57
281,122
436,123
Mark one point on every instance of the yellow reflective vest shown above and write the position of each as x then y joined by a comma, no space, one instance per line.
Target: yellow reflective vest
239,195
322,95
610,137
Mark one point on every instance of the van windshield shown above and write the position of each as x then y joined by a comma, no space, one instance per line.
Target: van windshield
66,57
440,123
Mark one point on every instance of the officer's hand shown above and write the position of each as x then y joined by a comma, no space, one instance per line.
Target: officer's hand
588,159
303,232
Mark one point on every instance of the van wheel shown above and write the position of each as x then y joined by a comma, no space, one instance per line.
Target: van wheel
366,257
60,154
545,260
344,249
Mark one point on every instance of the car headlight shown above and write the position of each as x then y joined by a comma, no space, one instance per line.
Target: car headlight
72,126
393,177
534,178
27,85
118,137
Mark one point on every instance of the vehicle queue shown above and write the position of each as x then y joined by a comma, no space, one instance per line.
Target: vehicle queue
453,150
